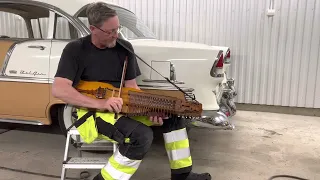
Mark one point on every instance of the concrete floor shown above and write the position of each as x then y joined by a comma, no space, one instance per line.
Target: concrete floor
262,145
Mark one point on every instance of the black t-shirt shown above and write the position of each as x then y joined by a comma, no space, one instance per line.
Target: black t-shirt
81,59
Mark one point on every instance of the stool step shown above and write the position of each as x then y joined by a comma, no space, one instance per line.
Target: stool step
102,146
85,163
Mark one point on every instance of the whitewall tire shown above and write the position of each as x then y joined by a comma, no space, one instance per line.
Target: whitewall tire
66,116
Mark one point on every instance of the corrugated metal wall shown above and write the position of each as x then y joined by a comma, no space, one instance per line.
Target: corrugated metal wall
276,60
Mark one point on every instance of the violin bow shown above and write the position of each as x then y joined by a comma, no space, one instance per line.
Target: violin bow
122,81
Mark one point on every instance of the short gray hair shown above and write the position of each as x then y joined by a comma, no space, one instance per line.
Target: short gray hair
98,12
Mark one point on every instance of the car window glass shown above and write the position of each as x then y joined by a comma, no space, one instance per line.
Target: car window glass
128,33
64,29
12,26
40,27
24,21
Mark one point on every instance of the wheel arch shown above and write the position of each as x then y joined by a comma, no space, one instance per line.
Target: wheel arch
52,111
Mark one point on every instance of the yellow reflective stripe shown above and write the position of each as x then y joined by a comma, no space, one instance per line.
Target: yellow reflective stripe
177,145
179,154
115,173
106,175
176,135
119,158
182,163
120,167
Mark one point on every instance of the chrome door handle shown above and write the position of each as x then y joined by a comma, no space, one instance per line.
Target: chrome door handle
39,47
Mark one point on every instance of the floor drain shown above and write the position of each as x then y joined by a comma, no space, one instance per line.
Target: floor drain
84,175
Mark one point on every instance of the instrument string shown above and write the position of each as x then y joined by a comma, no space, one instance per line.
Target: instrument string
172,83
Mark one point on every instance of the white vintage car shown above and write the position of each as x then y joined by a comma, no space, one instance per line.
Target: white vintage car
29,62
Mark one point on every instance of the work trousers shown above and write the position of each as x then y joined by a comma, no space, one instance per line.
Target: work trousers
134,137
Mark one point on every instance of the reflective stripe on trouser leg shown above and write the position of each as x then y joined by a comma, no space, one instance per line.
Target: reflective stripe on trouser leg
123,166
177,147
119,167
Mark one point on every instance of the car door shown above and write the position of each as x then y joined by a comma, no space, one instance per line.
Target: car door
24,86
25,66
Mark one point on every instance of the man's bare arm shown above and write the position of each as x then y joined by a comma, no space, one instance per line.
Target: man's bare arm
62,89
131,83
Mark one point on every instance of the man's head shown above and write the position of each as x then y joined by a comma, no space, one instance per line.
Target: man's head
104,24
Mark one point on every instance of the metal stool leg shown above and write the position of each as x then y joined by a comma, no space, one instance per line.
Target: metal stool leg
81,162
63,173
66,152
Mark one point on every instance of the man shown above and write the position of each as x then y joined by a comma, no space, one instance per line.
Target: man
99,57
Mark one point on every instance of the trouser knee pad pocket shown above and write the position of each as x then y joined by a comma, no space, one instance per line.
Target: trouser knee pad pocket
141,139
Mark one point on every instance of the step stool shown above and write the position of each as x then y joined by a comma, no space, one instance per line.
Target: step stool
84,162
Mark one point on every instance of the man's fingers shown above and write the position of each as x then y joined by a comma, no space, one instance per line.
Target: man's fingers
156,119
153,119
119,100
115,107
119,105
112,107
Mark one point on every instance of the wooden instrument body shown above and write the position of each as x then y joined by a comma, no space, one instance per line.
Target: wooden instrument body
143,102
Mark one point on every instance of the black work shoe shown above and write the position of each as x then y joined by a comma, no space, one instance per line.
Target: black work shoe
98,177
198,176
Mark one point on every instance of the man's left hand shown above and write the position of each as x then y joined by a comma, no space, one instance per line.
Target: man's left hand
156,119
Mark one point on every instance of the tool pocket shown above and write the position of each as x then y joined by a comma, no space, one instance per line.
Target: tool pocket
86,125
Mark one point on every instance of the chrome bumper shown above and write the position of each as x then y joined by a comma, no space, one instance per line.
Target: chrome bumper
222,117
213,119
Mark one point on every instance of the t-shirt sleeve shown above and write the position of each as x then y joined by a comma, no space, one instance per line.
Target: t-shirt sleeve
133,69
68,65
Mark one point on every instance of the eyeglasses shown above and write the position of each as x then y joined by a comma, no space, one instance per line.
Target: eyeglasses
113,31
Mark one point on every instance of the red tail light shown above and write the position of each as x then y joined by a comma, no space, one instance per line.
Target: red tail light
228,54
218,65
220,61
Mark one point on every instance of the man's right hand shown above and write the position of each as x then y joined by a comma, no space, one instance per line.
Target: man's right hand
112,104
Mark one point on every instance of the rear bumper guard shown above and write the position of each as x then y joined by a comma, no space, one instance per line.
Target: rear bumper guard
222,117
227,104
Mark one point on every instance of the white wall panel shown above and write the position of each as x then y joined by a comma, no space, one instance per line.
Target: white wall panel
275,60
